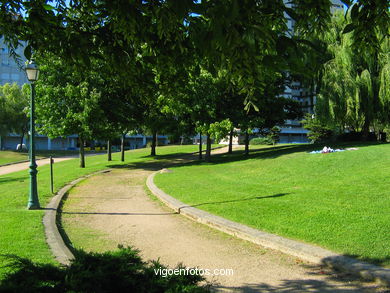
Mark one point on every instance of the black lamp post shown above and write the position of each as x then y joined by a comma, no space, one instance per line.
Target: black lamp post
32,72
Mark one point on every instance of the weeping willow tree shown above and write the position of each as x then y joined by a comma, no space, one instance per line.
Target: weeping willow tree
354,92
384,90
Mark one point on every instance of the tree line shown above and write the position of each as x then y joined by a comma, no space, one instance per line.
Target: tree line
189,66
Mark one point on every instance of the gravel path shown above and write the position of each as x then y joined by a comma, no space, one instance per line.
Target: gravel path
117,209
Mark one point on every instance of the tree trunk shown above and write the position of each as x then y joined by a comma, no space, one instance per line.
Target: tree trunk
123,147
82,153
153,147
246,143
230,142
200,146
1,142
21,142
109,153
366,129
208,149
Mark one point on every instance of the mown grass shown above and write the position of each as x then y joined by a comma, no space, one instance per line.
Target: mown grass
340,201
21,230
12,156
7,157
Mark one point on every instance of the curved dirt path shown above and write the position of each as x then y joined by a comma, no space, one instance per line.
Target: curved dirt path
114,208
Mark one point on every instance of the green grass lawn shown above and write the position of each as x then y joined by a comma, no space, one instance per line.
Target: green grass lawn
12,156
7,157
340,201
21,230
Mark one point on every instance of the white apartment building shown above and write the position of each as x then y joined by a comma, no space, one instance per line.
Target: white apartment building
292,131
10,70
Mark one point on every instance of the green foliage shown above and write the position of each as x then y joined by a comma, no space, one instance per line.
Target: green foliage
353,91
246,39
273,134
318,131
219,130
116,271
14,105
261,141
66,102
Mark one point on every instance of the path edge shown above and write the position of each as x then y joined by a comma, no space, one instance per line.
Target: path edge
306,252
54,239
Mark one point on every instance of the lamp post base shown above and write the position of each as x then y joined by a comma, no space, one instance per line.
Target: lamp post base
33,207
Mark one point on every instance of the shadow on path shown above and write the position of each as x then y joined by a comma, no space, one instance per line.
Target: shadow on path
120,214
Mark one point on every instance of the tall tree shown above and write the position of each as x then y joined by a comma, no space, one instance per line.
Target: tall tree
353,91
14,101
67,103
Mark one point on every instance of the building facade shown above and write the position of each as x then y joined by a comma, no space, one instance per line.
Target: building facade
292,131
11,71
71,142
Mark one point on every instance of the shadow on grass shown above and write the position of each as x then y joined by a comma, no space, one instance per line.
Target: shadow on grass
12,179
234,200
188,159
122,270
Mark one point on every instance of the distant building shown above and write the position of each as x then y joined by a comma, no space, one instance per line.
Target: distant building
42,142
292,131
10,70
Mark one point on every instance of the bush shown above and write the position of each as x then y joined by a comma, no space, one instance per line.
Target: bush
261,140
116,271
318,131
274,134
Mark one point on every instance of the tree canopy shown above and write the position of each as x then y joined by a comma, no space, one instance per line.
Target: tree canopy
246,38
14,105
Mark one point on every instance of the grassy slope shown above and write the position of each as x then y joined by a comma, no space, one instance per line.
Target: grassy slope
21,231
14,156
340,200
11,156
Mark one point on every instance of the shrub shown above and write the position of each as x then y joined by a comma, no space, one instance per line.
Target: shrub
116,271
318,131
261,140
274,134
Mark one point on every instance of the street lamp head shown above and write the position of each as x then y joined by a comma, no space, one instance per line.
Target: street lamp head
32,71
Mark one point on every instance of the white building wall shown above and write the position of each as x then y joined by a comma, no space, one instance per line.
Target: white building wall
10,70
